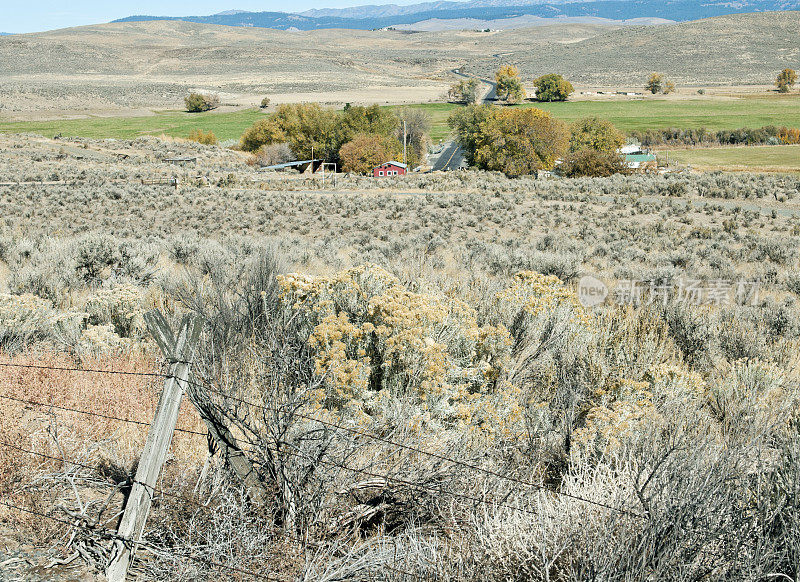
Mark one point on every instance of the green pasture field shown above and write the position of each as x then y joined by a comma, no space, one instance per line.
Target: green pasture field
225,125
642,114
784,158
627,115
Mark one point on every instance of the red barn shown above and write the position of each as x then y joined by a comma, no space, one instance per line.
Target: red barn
390,168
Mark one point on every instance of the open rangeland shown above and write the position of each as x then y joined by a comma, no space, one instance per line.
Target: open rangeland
443,376
406,366
152,65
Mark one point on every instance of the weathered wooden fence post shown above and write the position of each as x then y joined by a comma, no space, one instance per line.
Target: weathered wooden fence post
179,350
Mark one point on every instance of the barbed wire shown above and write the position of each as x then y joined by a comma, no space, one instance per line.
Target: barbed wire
362,433
143,542
438,456
89,413
87,370
151,488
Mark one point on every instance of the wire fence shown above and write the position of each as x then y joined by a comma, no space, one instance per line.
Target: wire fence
382,476
351,430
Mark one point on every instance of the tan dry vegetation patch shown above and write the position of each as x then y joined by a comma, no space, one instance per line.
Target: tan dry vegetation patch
726,50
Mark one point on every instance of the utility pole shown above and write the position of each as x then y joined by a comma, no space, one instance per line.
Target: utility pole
404,143
179,351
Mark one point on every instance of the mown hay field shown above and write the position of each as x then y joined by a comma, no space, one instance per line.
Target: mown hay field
760,158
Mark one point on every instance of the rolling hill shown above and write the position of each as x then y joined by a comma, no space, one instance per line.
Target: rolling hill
372,17
734,49
140,66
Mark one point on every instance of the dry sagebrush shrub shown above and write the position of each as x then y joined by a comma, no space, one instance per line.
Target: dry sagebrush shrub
27,319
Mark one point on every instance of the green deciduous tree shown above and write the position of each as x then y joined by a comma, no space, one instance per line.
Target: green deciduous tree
513,141
306,127
553,87
467,123
372,119
197,102
596,134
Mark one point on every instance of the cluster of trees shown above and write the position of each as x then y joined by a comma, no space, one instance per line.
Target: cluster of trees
357,139
199,102
464,92
551,87
657,83
768,135
524,141
786,80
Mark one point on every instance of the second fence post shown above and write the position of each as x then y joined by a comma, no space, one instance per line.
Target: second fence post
179,350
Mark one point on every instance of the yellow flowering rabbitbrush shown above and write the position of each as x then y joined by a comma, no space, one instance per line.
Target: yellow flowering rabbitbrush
375,340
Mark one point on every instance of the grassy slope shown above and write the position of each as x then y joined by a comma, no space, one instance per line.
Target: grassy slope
766,158
228,125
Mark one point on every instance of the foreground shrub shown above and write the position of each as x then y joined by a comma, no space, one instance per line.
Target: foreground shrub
203,137
374,341
27,319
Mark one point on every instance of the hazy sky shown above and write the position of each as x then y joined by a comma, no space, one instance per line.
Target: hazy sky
16,16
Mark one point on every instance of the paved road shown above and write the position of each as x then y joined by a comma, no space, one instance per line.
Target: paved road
451,158
490,94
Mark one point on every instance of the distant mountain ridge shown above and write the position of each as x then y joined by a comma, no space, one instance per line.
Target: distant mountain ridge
382,16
